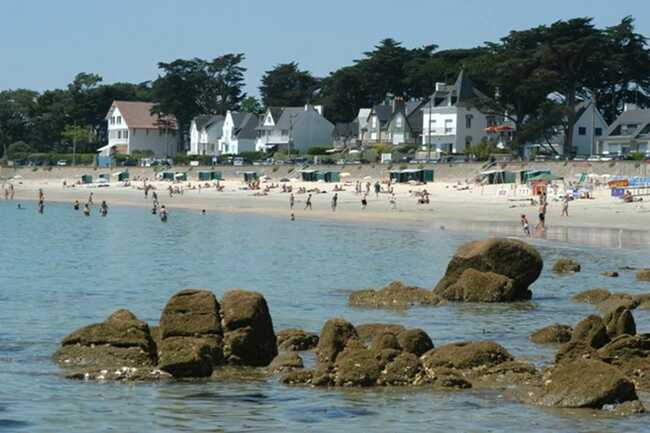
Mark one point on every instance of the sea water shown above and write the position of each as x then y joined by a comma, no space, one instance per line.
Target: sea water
61,270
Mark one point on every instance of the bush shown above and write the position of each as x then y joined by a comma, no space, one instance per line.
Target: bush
317,150
18,148
252,156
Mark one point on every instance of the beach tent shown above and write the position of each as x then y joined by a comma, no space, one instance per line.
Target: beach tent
499,176
332,176
526,175
180,176
320,176
250,176
86,178
309,175
167,175
427,174
209,175
121,175
547,176
404,176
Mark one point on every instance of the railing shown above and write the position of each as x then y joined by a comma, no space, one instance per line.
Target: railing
439,131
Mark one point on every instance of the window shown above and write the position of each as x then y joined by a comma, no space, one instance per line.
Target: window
598,132
582,131
468,121
374,121
398,122
125,134
134,130
119,120
119,134
468,140
285,132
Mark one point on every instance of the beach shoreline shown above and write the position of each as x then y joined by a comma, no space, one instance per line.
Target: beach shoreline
494,210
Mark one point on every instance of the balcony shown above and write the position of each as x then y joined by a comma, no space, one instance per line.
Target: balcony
439,131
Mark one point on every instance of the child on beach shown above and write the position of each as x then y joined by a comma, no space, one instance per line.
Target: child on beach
103,210
565,205
524,225
163,214
292,200
308,202
364,202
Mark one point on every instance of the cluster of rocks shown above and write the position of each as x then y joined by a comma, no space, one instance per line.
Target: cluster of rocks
196,334
600,366
493,270
391,355
604,300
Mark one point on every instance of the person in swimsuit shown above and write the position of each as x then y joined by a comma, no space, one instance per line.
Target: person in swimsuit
335,200
86,210
103,210
308,202
163,214
76,205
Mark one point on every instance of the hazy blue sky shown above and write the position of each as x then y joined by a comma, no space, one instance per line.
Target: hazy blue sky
45,43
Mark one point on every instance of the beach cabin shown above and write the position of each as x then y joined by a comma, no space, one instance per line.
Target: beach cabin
180,176
209,175
86,179
104,177
411,174
495,177
250,176
167,175
310,175
122,176
332,176
526,175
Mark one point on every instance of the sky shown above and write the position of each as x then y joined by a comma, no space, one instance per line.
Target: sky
45,43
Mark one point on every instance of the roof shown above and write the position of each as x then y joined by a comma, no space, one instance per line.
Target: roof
138,115
244,124
461,92
206,120
640,117
346,129
383,112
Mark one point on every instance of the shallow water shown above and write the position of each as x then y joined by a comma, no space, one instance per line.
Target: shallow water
60,271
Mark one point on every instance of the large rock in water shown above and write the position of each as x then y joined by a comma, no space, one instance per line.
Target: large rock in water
191,336
586,384
619,321
395,295
643,275
294,339
588,335
520,264
552,334
249,338
333,338
120,341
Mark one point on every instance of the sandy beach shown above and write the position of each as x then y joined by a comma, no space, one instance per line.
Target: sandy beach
454,204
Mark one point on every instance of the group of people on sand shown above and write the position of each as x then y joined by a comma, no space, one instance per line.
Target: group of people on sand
542,209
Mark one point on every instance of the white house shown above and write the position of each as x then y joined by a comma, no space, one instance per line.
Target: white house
362,121
238,134
298,127
590,127
629,133
132,127
205,132
449,123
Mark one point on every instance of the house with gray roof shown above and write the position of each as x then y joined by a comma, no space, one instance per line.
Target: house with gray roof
205,132
380,115
238,133
298,128
630,132
450,123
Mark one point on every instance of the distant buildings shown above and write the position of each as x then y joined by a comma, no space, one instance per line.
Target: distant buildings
298,128
132,127
629,133
205,133
239,133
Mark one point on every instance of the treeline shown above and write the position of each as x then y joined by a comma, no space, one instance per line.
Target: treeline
536,77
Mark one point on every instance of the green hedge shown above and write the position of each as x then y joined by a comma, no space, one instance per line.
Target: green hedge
53,158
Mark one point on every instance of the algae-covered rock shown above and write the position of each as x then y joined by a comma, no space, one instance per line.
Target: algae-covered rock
333,338
296,340
395,295
415,341
552,334
565,265
466,355
190,356
592,296
191,313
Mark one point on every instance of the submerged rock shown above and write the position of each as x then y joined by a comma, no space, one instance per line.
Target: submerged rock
552,334
356,366
518,264
643,275
585,384
249,338
190,356
565,265
296,340
120,341
395,295
592,296
405,369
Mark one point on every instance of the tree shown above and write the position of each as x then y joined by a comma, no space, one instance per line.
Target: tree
188,88
344,93
287,86
18,149
572,54
16,116
250,104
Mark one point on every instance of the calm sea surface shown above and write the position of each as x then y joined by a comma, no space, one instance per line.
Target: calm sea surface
60,271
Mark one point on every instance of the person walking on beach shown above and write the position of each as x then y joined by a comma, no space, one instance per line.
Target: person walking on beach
525,227
163,214
565,205
393,201
335,200
75,205
90,198
541,226
308,202
377,190
86,209
12,191
41,196
103,210
292,201
364,202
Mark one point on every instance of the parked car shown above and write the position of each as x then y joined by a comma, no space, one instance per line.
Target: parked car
62,163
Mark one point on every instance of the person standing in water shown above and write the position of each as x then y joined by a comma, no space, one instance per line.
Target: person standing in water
292,201
335,200
86,209
90,198
542,215
163,214
565,205
75,205
377,190
308,202
103,210
364,202
525,227
41,201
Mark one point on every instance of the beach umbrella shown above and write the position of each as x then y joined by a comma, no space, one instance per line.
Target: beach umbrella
344,174
367,178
